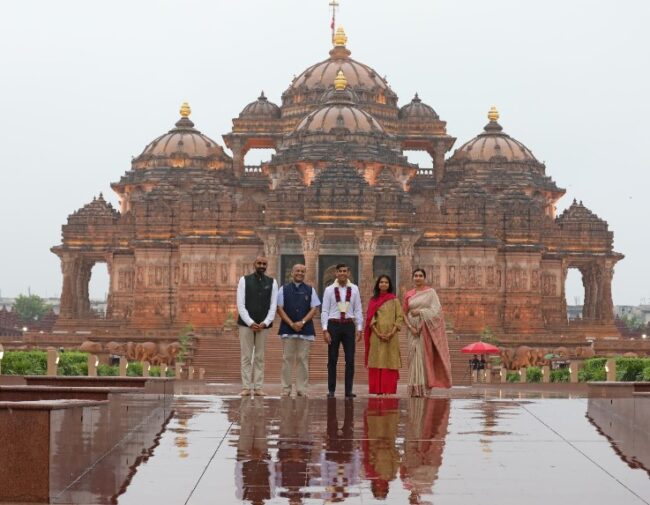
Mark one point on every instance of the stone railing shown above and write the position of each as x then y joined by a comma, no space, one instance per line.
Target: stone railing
427,172
252,169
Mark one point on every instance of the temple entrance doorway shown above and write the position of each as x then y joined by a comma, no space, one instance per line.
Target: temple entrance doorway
574,292
327,269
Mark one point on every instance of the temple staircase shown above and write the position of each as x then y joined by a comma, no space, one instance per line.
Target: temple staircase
219,354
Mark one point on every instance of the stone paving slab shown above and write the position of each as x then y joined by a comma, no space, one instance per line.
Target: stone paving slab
464,446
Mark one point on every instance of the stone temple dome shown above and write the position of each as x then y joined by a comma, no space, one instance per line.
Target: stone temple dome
340,111
416,110
260,109
182,147
493,145
319,77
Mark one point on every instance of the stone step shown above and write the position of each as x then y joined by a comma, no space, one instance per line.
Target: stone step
219,355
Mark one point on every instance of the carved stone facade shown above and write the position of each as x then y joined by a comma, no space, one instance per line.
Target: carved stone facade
482,223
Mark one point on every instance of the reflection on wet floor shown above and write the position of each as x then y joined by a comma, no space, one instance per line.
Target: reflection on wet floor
389,450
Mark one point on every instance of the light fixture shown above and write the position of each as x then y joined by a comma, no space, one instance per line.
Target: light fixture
96,361
644,336
606,368
127,365
24,328
56,361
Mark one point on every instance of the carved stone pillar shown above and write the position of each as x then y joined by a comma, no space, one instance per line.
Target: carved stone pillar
69,267
605,307
272,253
590,283
439,162
311,239
367,248
238,154
405,253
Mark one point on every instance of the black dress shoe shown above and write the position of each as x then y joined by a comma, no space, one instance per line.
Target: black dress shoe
350,395
330,395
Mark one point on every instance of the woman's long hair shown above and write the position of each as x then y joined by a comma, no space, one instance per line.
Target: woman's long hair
376,288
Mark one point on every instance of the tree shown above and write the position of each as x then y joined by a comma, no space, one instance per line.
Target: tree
31,307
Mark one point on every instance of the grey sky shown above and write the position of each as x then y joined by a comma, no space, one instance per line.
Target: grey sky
86,85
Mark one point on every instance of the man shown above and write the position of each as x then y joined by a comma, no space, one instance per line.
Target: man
340,316
256,302
297,304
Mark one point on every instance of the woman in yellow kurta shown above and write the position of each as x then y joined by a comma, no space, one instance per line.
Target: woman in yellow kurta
383,322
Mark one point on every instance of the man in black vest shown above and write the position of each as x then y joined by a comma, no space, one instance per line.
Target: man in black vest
297,304
256,302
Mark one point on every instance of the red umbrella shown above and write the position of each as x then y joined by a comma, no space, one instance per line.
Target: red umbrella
480,348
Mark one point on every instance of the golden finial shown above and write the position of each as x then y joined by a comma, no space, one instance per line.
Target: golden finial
340,83
493,114
185,109
340,38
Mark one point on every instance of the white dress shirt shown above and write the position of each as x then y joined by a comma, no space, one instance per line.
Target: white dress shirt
330,309
241,303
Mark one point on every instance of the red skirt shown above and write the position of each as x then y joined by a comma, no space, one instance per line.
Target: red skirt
382,381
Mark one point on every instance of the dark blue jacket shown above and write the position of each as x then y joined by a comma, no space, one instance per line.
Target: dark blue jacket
297,304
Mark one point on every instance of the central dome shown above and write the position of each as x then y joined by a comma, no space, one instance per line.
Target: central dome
308,87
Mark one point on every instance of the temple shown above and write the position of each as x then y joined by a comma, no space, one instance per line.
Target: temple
481,220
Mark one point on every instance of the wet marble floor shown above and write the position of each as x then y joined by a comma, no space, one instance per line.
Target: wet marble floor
471,446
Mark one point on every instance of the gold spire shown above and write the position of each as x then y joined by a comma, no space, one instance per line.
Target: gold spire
340,83
340,38
185,109
493,114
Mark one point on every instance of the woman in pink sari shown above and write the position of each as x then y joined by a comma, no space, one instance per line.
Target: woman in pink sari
429,362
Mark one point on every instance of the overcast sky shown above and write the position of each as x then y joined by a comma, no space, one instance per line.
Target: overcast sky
86,85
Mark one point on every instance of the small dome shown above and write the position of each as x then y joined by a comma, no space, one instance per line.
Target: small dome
339,115
418,111
182,147
493,145
260,109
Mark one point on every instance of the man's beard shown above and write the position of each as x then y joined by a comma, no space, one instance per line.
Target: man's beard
260,271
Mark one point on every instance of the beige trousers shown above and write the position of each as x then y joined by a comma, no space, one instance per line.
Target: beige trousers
252,357
295,350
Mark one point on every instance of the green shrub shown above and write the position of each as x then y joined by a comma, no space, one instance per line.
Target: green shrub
560,375
630,369
108,370
534,374
593,369
24,363
154,371
513,377
134,370
645,374
73,363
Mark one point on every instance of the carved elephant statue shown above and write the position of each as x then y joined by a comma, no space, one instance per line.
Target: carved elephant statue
116,348
585,352
537,356
522,357
146,351
130,351
167,352
91,347
506,356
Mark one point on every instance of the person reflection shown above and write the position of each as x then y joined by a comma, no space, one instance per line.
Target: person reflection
341,460
294,449
380,456
424,441
253,471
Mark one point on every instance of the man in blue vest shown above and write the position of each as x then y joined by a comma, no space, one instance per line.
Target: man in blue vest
297,305
256,302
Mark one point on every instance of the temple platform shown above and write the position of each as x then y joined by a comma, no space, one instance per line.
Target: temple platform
483,444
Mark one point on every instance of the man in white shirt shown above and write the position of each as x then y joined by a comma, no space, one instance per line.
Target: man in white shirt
341,315
257,296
